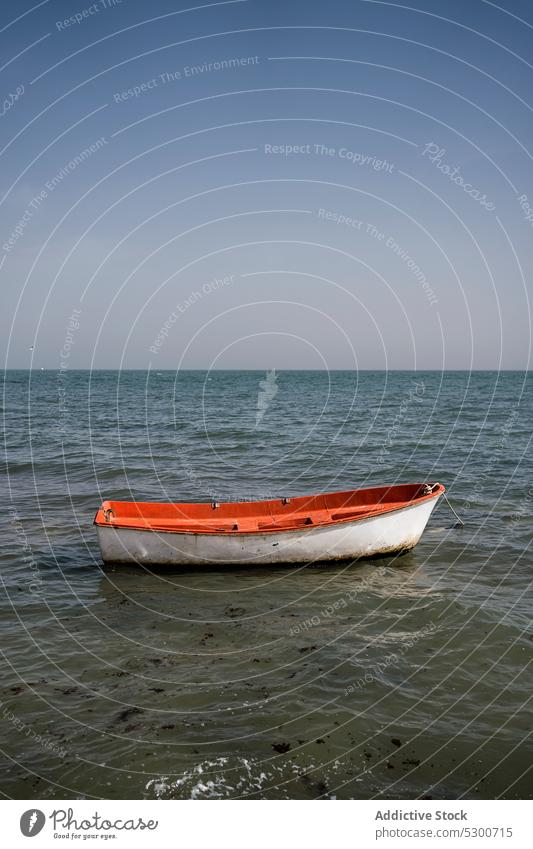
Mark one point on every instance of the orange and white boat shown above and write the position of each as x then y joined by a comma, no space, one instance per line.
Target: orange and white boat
307,529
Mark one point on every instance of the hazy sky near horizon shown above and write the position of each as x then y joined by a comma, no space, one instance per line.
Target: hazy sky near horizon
265,184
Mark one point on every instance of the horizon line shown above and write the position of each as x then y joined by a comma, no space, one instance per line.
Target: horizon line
325,371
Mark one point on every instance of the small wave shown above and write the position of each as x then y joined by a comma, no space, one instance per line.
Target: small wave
212,779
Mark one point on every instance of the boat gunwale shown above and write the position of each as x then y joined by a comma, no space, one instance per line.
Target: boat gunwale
438,489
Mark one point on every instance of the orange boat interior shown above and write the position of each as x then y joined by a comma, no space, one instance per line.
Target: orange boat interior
282,514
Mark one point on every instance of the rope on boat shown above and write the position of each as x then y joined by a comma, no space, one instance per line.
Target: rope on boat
459,520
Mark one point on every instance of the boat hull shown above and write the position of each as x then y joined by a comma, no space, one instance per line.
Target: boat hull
389,533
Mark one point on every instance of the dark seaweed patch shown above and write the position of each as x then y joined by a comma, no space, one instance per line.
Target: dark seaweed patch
281,747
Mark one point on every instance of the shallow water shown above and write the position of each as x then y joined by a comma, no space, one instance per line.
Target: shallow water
403,677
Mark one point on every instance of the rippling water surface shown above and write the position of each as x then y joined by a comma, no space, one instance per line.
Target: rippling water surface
396,677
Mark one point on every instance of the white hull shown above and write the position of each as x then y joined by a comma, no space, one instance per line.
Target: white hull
390,532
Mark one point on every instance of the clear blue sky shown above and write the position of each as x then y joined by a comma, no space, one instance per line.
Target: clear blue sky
265,184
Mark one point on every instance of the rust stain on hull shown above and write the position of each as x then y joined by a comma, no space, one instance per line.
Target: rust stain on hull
387,551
